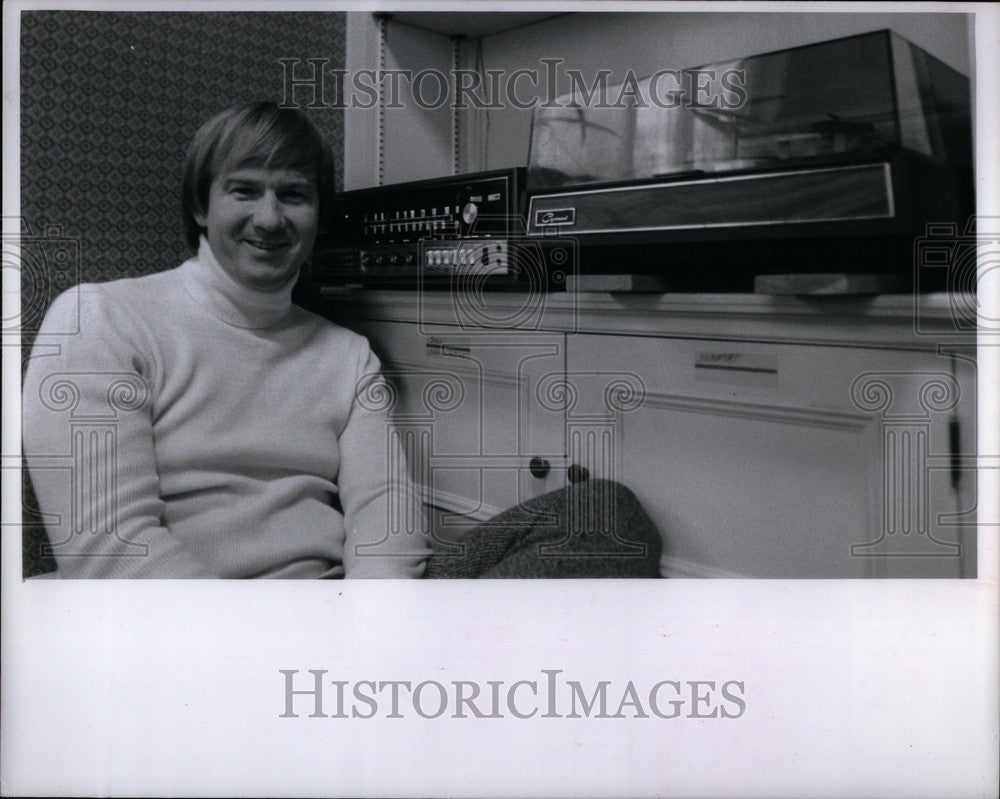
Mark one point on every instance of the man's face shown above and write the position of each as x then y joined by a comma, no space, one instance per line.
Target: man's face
261,224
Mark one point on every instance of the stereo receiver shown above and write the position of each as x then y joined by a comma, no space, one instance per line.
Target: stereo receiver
429,230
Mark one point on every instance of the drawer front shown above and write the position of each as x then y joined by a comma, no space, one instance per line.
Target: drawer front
775,461
471,403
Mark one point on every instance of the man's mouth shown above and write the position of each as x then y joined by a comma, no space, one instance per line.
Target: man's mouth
266,246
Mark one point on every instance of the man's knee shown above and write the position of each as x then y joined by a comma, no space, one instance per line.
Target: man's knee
608,507
610,491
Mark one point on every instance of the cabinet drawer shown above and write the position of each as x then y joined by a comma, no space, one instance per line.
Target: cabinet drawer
472,402
782,376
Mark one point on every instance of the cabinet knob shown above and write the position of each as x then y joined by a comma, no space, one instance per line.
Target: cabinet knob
539,467
577,473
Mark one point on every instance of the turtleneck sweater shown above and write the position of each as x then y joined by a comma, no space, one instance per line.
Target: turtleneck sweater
183,425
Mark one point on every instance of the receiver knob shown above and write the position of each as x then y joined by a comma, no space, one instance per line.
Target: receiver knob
469,213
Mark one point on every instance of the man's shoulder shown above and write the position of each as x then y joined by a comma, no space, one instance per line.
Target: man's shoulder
109,306
129,289
124,292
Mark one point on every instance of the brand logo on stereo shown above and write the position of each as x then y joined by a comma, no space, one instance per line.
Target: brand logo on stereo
559,216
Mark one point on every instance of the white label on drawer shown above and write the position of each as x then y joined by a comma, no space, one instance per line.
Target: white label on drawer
736,367
447,348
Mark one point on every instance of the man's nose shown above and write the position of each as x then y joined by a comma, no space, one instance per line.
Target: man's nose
268,213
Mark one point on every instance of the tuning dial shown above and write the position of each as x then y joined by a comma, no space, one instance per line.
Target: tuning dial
539,467
469,213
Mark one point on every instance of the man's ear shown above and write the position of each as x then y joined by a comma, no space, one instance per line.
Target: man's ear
201,218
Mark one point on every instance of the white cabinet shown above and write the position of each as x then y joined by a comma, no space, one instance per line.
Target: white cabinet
775,460
766,437
468,403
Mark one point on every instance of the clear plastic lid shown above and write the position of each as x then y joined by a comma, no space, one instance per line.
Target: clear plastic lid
864,96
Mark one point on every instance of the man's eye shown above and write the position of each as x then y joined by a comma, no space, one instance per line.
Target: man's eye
296,196
243,191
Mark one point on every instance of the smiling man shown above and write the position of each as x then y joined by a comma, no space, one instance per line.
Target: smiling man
214,426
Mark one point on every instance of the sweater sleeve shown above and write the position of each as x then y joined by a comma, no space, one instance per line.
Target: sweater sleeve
88,444
383,514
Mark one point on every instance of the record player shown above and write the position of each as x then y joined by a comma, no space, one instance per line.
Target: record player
834,157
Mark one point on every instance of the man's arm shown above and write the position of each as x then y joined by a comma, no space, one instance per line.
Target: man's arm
383,514
88,444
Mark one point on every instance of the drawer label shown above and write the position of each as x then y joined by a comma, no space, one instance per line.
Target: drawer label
736,367
447,348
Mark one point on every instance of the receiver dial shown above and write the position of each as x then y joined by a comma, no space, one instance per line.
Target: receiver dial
469,213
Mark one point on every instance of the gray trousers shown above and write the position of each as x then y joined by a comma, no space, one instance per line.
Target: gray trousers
595,528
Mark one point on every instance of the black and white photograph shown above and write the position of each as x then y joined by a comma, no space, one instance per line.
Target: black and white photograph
638,359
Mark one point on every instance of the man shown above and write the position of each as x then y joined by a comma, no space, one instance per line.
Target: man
243,452
235,440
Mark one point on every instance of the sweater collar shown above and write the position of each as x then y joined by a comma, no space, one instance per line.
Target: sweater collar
214,290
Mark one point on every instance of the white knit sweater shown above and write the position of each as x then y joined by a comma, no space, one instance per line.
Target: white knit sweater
192,427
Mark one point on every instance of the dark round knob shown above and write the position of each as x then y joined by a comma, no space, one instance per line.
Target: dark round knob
577,473
539,467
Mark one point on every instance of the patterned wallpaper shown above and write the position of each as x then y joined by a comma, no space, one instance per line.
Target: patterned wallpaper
109,102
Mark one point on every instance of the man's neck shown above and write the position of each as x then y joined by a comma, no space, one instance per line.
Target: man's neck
231,302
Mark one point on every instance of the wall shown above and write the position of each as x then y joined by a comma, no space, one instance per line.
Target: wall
417,143
109,102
